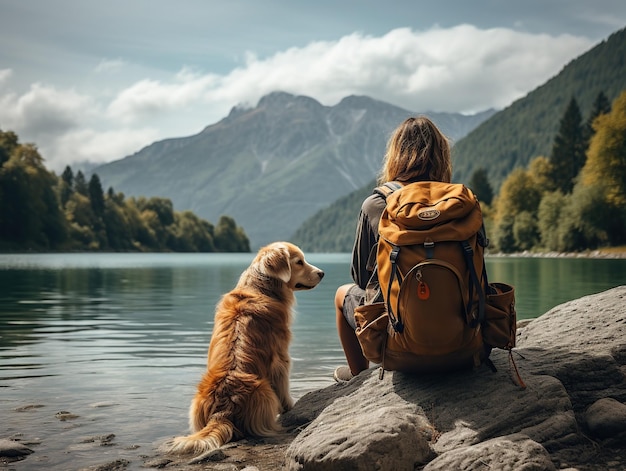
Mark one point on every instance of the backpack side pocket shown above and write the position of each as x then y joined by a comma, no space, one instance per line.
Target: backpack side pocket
371,330
500,326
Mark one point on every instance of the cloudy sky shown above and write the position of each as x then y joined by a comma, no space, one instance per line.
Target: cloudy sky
96,81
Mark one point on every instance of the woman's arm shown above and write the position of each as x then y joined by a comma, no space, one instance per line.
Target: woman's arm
366,238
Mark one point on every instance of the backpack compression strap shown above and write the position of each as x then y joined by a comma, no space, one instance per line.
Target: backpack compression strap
396,323
468,252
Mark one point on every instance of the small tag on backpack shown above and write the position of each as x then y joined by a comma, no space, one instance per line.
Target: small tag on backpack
423,291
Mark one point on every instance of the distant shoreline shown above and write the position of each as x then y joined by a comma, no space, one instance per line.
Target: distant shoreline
614,253
609,253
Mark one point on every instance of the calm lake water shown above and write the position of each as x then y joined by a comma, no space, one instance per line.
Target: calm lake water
119,340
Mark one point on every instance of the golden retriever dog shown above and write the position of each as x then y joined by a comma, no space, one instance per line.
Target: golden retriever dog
246,385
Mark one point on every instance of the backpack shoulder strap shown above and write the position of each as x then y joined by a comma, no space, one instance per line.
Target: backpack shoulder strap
474,282
387,188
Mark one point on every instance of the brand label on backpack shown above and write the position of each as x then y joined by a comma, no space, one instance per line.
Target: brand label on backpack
429,214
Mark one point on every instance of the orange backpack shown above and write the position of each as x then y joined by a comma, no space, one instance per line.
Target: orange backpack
432,277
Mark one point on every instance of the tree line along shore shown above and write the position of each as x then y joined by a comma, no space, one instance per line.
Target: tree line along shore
40,211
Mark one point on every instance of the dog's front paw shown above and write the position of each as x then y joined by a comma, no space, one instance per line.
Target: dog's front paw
287,405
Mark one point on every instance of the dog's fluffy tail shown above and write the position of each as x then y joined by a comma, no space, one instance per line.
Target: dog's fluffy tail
217,432
257,419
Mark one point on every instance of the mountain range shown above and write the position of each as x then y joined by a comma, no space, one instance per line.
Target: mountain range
273,166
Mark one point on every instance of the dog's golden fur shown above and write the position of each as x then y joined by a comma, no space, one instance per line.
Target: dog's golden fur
246,384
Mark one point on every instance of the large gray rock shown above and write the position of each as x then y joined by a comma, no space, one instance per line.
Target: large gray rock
606,418
572,359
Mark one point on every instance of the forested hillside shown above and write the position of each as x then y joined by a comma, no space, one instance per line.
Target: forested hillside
332,229
575,199
42,212
525,130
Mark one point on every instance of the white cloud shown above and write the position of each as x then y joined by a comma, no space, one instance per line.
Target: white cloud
89,145
462,69
147,98
456,69
44,111
5,74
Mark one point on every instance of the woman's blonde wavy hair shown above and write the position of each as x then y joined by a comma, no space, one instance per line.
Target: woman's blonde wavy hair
417,150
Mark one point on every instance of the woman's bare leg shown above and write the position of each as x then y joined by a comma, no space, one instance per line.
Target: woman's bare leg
351,346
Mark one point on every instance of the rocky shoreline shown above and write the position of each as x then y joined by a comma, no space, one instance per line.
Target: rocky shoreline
571,415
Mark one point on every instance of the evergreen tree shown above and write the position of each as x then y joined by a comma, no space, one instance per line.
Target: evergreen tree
67,185
479,183
568,152
68,176
96,195
80,184
601,106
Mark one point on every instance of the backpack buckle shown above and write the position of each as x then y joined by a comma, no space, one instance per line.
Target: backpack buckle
429,248
397,325
393,256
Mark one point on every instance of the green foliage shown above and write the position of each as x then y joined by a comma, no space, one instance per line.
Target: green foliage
194,234
479,184
117,223
8,143
162,208
519,193
574,232
503,237
584,219
548,217
516,205
229,237
568,150
29,208
525,231
40,211
540,169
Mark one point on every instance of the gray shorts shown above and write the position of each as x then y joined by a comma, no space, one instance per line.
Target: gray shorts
354,298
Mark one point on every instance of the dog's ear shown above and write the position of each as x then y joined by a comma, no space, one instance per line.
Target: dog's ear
273,261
